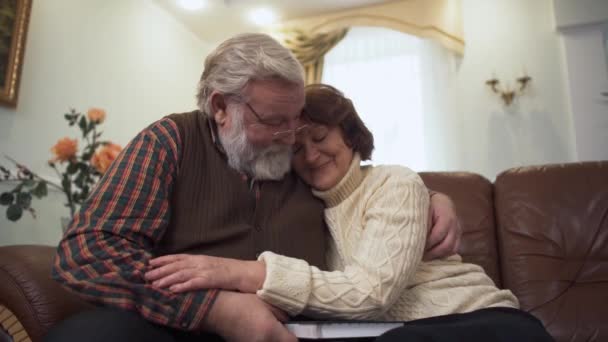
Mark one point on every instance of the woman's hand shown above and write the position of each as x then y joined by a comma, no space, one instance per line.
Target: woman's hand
186,272
444,235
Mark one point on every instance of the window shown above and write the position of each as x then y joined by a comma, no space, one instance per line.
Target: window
387,75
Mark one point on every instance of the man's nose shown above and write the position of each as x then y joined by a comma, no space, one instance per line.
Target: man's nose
287,138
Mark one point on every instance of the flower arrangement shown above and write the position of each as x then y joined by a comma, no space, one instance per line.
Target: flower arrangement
78,172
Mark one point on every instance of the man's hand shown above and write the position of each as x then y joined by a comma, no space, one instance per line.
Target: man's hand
185,272
244,317
445,233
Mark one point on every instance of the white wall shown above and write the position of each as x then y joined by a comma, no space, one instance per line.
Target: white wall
570,13
506,38
583,25
127,56
587,79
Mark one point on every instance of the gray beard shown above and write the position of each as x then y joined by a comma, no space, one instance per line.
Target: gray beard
268,163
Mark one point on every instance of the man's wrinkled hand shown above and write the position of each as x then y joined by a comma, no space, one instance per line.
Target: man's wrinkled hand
185,272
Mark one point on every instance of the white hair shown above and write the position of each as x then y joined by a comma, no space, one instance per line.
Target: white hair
244,58
266,163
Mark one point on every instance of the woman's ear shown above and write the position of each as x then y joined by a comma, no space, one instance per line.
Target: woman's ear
218,108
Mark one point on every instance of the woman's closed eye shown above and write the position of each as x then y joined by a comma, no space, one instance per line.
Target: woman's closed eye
318,135
315,136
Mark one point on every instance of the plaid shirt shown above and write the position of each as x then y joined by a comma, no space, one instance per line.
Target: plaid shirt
105,252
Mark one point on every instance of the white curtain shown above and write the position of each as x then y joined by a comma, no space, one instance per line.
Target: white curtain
401,86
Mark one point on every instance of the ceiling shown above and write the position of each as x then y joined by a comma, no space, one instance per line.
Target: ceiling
220,19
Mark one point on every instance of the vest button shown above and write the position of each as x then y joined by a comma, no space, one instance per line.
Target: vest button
258,228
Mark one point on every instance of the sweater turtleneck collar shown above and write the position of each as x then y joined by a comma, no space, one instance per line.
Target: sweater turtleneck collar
345,186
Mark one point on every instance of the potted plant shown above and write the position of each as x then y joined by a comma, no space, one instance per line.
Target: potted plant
78,169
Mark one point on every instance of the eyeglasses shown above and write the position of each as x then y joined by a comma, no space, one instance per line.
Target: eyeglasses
275,126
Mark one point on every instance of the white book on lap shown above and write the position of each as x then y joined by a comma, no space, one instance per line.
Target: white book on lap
340,329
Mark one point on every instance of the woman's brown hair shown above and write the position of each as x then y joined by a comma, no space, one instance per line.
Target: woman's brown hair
328,106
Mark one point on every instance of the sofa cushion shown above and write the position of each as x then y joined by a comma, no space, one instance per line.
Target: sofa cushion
472,196
552,232
26,289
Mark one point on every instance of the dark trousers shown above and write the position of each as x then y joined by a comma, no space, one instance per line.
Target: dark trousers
113,325
493,324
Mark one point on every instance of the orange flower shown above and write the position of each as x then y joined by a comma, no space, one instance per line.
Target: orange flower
96,115
65,149
104,157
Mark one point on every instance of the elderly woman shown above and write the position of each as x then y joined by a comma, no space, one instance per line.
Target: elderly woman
377,217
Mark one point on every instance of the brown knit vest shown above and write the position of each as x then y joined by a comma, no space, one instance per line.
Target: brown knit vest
214,210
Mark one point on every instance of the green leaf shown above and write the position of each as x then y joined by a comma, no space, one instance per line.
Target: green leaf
72,117
6,198
83,167
83,125
72,168
76,197
24,200
41,190
66,185
79,181
29,183
87,156
14,212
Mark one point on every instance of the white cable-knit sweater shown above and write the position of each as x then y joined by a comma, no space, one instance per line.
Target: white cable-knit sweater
377,217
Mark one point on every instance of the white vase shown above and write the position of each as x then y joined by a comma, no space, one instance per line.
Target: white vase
65,222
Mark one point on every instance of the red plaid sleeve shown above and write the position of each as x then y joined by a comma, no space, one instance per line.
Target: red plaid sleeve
104,254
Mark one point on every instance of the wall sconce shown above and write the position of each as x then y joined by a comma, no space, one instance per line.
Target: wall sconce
508,95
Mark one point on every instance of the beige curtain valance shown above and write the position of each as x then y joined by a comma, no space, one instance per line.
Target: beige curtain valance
439,20
310,48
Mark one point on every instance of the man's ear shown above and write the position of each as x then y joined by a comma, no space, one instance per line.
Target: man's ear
218,108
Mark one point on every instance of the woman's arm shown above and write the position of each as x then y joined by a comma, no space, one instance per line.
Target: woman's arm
381,261
444,236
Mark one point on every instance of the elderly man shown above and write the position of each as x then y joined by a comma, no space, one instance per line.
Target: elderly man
215,181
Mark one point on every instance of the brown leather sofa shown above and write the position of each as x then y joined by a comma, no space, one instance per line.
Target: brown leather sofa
540,231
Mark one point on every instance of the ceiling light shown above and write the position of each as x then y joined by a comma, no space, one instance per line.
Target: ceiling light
262,16
191,5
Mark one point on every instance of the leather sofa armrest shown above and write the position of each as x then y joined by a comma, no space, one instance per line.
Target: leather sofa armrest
29,292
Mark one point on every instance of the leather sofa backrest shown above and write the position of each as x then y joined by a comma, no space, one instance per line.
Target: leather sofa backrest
27,288
473,198
553,235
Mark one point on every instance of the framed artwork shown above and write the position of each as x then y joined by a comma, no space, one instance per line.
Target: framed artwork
14,20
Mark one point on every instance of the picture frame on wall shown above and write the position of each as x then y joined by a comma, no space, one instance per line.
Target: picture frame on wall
14,21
